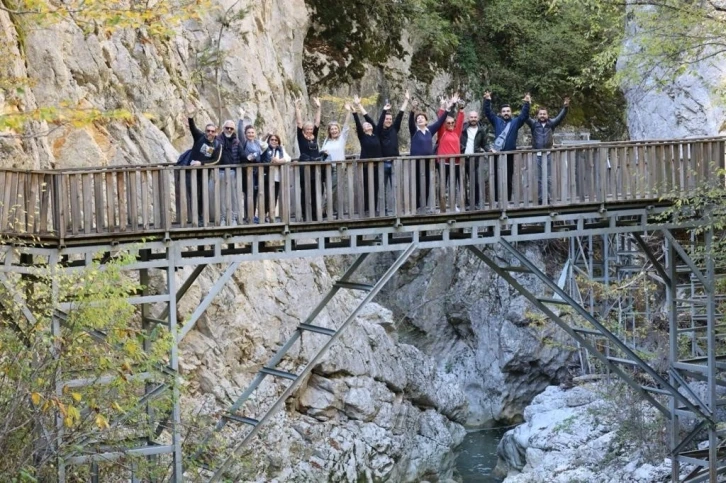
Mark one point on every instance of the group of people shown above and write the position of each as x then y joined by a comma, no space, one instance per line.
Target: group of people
448,136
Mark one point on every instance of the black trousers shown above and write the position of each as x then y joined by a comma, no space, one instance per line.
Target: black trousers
270,202
309,186
366,190
422,187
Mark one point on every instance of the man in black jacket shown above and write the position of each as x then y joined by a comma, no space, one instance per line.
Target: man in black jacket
475,138
387,132
543,138
206,150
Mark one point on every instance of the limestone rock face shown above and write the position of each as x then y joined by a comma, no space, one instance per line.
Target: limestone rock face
479,330
691,106
373,407
568,436
153,79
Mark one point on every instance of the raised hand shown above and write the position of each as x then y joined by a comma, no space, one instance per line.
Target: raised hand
297,101
567,101
527,98
414,103
387,107
316,101
242,112
191,110
406,95
348,107
454,99
356,100
487,95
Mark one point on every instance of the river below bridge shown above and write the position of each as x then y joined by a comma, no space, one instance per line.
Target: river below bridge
478,456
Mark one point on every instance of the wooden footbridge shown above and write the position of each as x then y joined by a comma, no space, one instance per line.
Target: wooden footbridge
170,217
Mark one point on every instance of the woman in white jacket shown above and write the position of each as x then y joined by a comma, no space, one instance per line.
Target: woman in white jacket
334,148
274,155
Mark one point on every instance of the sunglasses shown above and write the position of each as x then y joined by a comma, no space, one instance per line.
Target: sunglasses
450,123
211,130
227,128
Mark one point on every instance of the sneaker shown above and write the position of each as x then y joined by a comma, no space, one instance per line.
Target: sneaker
233,222
267,219
222,223
456,209
256,220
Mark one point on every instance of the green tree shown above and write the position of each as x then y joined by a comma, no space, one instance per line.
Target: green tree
508,46
47,409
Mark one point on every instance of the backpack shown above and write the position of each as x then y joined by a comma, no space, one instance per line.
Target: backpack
185,158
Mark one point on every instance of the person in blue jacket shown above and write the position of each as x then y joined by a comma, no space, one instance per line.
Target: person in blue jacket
505,132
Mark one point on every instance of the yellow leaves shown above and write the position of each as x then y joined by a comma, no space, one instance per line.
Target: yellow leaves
72,417
35,397
76,396
117,407
101,422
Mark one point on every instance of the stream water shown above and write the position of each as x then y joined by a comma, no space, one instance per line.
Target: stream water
478,456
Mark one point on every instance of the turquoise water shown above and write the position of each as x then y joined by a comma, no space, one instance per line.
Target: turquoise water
478,456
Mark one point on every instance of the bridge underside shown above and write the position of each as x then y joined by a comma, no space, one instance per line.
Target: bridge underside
581,225
226,245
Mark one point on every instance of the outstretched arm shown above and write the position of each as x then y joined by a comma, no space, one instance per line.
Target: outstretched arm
561,116
370,120
358,126
359,105
488,113
459,122
441,129
379,127
525,108
196,133
411,123
318,112
406,98
439,122
345,129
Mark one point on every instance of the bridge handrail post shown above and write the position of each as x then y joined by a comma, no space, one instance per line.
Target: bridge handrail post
285,195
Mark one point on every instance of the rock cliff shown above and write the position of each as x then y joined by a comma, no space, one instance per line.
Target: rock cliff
448,346
480,330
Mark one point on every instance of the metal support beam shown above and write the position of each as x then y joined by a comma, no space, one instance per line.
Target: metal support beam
216,288
314,361
177,470
699,411
184,288
566,327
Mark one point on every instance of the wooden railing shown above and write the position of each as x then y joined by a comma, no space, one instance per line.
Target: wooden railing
158,199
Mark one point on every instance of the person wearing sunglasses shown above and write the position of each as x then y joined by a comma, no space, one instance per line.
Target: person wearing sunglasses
206,150
227,181
448,143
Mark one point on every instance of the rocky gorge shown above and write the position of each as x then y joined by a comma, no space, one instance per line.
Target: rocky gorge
391,401
447,346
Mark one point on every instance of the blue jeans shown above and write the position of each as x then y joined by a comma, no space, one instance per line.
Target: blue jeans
549,177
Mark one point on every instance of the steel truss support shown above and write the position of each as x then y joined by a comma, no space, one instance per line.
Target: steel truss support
270,369
700,305
581,334
170,423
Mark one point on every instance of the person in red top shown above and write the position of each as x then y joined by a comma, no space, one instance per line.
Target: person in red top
449,142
